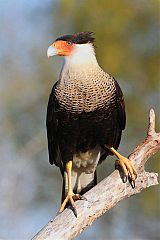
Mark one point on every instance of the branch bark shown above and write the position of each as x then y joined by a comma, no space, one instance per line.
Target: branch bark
67,226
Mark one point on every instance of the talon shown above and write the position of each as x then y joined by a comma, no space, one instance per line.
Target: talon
132,182
74,211
71,197
124,179
79,197
82,198
76,197
128,169
135,174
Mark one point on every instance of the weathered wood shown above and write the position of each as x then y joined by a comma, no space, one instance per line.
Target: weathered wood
107,193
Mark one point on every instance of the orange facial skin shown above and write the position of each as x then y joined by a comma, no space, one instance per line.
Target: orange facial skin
64,48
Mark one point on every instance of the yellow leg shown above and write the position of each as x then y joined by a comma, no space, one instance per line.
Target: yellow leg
125,164
71,197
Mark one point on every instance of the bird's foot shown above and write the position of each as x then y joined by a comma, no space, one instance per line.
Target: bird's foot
71,197
128,170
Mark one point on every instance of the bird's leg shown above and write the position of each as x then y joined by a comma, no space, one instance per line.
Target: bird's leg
71,197
128,169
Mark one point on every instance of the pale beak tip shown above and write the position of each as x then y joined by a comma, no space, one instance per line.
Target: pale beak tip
51,51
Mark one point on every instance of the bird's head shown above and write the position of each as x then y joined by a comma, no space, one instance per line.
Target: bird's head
74,47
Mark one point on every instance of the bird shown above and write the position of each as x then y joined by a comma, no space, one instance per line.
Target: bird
85,118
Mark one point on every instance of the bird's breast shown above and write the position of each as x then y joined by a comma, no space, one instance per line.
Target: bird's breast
85,93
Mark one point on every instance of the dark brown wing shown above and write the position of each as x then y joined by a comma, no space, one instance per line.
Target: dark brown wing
118,121
120,106
52,130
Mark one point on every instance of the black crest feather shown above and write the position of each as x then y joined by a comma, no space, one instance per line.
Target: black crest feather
78,38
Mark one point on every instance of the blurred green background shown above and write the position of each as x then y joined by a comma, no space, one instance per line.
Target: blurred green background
127,47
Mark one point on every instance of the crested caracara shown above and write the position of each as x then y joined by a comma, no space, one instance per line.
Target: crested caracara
85,117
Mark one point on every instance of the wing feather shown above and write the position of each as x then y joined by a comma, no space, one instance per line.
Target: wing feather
52,130
118,121
120,105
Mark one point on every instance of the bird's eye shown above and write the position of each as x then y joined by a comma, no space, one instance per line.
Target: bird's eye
69,43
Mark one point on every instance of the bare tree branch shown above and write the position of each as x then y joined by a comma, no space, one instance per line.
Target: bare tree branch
107,193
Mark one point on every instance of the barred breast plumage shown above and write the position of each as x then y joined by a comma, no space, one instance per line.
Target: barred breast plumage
86,90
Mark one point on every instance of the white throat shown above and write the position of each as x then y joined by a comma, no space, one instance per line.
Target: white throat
83,54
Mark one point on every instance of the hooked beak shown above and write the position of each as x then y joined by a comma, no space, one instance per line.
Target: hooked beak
51,51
